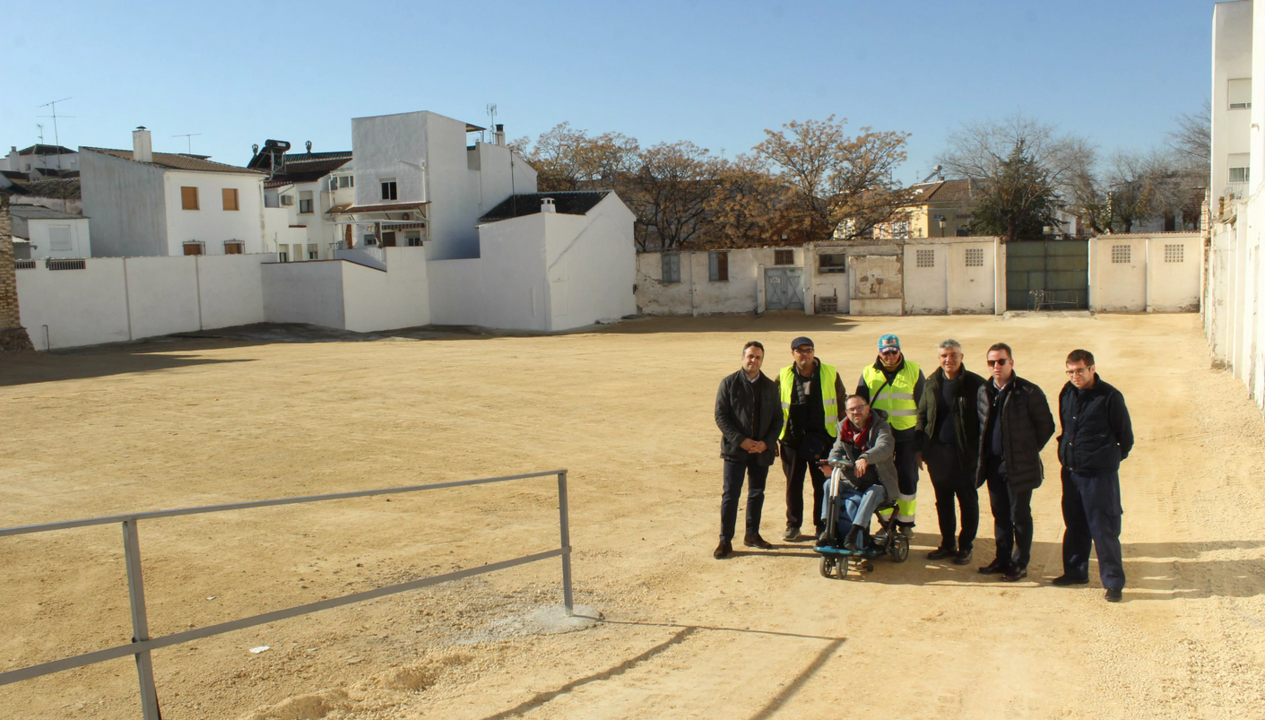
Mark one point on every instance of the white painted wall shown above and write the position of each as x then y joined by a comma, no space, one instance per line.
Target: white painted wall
697,294
950,286
1148,282
211,223
1231,59
927,288
125,201
398,298
591,262
120,299
40,234
310,292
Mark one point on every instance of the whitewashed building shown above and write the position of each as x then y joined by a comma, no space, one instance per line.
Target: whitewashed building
146,203
426,178
40,232
1231,98
299,192
31,160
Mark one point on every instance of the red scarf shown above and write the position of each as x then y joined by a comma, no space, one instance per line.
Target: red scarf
854,435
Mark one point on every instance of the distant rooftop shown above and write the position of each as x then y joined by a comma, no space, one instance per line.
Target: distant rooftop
575,202
41,149
39,212
946,191
179,161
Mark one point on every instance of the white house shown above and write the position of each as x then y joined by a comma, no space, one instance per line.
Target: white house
146,203
35,158
50,233
1231,98
419,178
547,261
299,191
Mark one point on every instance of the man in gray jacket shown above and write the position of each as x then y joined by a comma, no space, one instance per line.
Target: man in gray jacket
865,438
749,415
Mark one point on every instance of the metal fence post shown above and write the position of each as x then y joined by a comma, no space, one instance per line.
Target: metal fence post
564,525
140,625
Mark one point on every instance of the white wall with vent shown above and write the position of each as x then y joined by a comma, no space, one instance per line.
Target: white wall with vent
1134,272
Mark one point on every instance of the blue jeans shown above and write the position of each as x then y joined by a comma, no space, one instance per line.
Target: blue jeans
857,506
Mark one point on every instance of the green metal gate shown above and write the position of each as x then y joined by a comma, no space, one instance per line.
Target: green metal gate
1044,274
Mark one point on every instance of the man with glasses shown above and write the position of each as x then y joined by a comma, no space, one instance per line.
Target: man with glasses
811,392
894,385
1016,422
1097,435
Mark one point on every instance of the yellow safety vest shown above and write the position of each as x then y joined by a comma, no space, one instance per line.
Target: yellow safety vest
895,398
829,399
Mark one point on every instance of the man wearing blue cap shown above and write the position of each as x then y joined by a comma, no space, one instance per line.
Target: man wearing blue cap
811,393
894,385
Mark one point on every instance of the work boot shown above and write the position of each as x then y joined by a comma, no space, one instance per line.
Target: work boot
791,534
941,553
1065,580
754,540
723,550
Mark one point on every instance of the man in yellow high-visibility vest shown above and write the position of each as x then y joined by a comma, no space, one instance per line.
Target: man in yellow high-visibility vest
894,386
811,394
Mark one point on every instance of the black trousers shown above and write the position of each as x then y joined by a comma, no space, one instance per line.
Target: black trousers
735,472
1091,512
794,467
1012,518
951,482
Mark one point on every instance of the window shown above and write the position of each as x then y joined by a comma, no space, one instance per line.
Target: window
975,257
189,198
1239,174
671,268
783,257
414,241
1174,253
346,181
282,255
1121,254
234,247
1239,93
388,189
718,266
370,239
832,263
312,252
59,238
230,198
305,201
287,200
925,258
193,248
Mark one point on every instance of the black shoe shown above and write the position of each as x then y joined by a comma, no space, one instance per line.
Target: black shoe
754,540
1064,580
791,534
962,558
941,553
994,568
1114,595
850,542
723,550
1014,573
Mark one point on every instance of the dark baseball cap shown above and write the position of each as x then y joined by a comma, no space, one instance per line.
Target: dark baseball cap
801,341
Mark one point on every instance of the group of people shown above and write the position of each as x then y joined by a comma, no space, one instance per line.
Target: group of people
966,430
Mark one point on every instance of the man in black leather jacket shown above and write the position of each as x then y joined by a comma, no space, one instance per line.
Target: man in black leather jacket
1015,423
749,415
1097,435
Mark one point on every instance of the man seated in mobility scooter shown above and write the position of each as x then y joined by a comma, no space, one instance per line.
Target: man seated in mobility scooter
865,477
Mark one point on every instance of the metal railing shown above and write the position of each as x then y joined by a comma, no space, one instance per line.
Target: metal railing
142,644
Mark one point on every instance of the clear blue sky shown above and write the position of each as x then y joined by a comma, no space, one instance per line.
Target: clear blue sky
714,73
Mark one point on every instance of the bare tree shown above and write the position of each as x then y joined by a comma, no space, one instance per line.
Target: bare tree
832,177
1192,141
669,194
569,159
747,207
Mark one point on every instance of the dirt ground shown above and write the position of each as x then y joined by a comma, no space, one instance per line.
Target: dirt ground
628,411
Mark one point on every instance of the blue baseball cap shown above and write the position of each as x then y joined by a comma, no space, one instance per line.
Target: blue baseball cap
888,341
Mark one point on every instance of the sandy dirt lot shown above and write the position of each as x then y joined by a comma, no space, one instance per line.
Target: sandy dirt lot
629,412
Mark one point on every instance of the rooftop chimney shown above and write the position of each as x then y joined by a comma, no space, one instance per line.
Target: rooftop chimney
142,146
498,136
546,206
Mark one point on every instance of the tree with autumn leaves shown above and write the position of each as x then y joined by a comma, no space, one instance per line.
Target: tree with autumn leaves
809,181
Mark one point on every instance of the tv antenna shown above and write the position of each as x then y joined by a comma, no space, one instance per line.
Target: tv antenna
491,117
189,137
56,136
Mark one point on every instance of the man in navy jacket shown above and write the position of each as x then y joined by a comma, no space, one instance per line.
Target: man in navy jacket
1097,435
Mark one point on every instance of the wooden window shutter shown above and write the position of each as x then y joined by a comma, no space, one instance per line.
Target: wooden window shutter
189,198
230,198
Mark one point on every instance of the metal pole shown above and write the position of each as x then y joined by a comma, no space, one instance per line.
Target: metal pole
140,625
564,525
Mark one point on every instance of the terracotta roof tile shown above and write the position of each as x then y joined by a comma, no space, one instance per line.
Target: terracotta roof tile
179,161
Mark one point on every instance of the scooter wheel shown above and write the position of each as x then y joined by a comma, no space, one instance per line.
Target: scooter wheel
828,566
900,549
